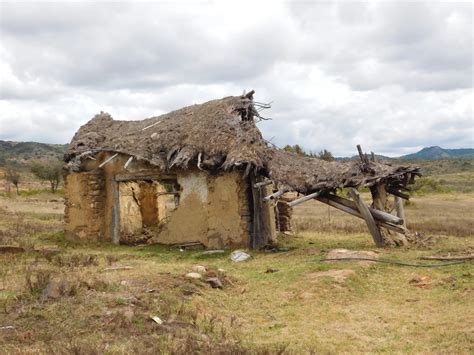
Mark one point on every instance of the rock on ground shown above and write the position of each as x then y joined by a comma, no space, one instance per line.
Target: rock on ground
348,254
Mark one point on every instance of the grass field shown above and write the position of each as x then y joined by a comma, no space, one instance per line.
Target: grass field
307,306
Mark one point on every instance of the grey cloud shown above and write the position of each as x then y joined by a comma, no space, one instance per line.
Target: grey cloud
338,74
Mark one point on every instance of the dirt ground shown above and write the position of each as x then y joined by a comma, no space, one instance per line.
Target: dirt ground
60,297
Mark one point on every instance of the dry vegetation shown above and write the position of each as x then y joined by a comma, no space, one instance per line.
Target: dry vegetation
59,297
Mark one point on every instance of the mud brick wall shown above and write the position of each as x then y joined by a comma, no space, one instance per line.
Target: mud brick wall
85,202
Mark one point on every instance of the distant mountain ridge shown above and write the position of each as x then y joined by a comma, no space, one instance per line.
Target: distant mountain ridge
436,153
21,152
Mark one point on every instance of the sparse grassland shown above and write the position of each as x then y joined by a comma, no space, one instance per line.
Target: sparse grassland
61,297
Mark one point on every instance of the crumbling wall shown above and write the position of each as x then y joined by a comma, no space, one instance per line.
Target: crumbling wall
213,209
130,211
84,205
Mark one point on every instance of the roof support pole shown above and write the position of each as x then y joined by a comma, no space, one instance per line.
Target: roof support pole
303,199
115,227
348,206
400,209
382,202
369,219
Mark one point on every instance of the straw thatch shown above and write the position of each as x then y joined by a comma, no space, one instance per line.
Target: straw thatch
221,135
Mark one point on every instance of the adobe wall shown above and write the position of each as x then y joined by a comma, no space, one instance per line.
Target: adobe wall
84,206
213,209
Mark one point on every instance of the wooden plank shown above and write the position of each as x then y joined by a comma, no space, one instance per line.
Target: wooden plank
356,213
256,221
303,199
369,219
144,176
115,227
109,159
400,210
378,215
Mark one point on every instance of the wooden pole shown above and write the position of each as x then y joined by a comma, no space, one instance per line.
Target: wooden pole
109,159
356,213
303,199
400,210
369,219
379,216
381,202
274,195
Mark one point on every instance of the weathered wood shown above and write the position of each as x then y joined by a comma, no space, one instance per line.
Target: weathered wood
369,219
382,203
274,195
199,161
400,209
362,156
372,156
144,176
107,160
128,162
154,124
377,214
303,199
356,213
115,227
262,184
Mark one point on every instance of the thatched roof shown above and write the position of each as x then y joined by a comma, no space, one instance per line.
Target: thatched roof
221,135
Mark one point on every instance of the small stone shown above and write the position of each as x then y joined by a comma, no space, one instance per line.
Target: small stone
194,275
199,268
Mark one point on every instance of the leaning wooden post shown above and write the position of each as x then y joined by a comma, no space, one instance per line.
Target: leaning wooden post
382,203
369,219
400,210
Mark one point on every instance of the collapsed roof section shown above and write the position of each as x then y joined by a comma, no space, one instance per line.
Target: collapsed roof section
222,135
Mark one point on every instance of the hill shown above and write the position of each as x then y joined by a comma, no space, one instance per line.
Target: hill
436,153
19,153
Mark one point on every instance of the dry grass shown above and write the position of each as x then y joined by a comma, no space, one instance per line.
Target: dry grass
433,214
377,309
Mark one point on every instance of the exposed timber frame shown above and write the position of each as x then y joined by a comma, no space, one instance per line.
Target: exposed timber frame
386,229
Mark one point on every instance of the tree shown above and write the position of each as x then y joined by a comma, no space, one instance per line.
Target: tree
294,149
50,172
14,177
325,155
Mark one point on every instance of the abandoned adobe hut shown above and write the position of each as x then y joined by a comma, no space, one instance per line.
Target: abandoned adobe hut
205,174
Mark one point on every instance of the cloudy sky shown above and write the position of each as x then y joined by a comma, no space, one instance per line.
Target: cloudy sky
392,76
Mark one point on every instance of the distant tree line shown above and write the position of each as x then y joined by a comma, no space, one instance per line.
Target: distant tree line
50,171
323,154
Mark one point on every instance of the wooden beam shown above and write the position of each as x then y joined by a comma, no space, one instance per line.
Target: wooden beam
128,162
377,214
356,213
151,125
115,227
303,199
107,160
369,219
362,156
400,210
274,195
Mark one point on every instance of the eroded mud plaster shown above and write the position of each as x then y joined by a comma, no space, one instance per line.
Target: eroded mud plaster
212,209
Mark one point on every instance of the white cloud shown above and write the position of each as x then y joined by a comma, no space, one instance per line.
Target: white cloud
391,76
